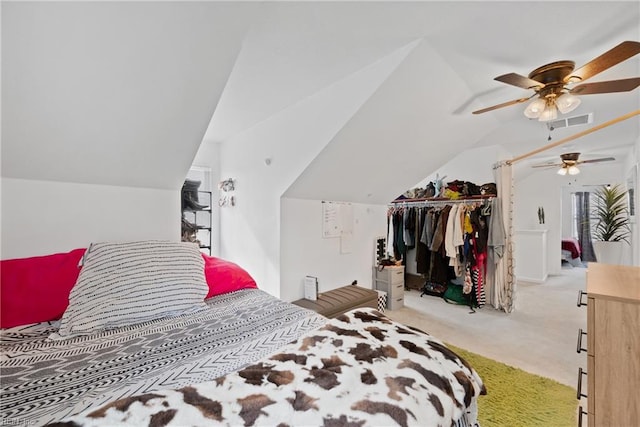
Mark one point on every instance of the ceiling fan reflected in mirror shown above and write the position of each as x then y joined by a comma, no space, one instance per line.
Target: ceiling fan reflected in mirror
551,82
570,162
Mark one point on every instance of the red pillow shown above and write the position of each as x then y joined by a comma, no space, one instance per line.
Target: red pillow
224,276
37,289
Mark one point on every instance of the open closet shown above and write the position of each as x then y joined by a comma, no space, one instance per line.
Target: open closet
449,247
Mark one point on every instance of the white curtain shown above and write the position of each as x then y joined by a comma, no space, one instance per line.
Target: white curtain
501,241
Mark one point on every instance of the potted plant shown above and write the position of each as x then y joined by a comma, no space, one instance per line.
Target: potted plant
612,226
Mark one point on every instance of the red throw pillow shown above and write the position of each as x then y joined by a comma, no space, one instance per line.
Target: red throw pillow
224,276
37,289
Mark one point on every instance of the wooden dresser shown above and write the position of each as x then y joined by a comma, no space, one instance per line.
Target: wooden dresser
613,346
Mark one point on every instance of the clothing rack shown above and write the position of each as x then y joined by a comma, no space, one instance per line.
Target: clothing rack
446,243
438,201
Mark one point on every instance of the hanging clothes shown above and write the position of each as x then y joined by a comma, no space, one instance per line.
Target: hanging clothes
429,226
480,272
399,246
448,235
452,250
423,256
477,264
390,237
409,219
495,249
480,229
451,241
439,230
439,263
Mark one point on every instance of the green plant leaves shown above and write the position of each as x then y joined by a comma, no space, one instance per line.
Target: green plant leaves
612,216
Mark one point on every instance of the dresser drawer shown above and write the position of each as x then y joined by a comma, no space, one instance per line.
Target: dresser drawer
389,274
392,290
395,303
397,275
396,290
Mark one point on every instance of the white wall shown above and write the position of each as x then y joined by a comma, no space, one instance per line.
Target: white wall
113,93
305,252
114,97
44,217
397,137
291,140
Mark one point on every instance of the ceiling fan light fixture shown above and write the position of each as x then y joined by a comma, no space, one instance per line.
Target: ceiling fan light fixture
535,108
567,103
570,162
549,113
573,170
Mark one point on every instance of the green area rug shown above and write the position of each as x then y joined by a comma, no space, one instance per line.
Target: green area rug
516,398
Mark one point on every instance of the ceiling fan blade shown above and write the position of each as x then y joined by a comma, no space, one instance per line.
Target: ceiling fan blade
611,86
504,104
547,165
622,52
604,159
519,81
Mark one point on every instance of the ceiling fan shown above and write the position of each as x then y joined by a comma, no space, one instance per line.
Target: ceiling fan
570,162
550,83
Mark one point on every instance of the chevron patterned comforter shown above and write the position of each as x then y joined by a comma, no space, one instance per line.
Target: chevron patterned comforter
358,369
45,380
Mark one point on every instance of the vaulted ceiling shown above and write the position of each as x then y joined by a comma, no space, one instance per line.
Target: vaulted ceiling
115,92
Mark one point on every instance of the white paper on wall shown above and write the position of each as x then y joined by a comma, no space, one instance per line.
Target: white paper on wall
331,220
337,219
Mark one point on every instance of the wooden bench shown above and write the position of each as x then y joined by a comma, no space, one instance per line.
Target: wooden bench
338,301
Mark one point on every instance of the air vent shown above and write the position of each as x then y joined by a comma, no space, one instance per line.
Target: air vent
571,121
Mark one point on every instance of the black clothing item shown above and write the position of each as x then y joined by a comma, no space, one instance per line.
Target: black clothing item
410,227
440,271
481,229
399,248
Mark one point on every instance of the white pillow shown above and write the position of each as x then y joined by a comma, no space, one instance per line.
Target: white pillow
121,284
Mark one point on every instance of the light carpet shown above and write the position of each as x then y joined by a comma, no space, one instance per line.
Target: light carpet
539,337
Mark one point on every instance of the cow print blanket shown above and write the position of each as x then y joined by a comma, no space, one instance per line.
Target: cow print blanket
359,369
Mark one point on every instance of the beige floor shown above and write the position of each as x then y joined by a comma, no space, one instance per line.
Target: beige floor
540,336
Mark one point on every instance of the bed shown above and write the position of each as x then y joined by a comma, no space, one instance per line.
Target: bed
571,252
242,358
